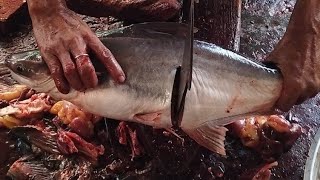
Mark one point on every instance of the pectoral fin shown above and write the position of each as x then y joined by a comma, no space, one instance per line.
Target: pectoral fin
150,119
210,136
147,117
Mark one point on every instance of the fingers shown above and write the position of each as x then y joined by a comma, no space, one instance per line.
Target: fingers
295,92
79,73
86,72
291,89
59,42
84,65
70,70
56,72
308,93
106,57
288,98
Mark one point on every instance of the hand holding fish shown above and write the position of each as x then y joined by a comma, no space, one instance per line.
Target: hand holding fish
64,41
298,55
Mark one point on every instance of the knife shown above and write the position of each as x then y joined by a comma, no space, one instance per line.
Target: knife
184,72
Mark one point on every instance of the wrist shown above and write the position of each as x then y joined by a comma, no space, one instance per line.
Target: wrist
41,7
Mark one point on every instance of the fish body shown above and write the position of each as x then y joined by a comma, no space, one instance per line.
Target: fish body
225,86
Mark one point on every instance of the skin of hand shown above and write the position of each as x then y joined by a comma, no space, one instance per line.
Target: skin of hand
61,35
297,55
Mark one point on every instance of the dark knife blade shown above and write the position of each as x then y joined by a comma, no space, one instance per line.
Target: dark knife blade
186,68
184,73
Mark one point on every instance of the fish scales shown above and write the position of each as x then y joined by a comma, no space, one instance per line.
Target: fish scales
225,85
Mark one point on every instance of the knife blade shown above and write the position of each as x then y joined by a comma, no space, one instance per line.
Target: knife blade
184,72
186,69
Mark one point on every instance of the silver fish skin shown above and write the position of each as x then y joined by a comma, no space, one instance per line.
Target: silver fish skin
225,85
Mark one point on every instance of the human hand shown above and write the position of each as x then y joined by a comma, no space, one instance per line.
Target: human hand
64,41
298,55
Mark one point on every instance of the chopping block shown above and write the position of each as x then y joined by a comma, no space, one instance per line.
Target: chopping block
11,11
219,22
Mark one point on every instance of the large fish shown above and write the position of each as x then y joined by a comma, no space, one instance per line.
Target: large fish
225,86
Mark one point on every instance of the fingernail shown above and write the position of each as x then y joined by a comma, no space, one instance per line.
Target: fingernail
121,79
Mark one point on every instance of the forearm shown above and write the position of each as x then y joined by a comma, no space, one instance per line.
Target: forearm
303,31
305,17
44,6
136,10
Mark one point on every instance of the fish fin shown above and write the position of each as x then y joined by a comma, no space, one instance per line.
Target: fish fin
147,117
39,170
210,136
28,168
150,119
175,134
34,135
149,30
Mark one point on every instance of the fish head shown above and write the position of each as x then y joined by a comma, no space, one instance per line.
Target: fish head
29,69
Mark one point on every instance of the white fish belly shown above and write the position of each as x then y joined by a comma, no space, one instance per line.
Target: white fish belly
216,97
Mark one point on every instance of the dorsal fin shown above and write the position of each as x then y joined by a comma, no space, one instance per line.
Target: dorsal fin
148,30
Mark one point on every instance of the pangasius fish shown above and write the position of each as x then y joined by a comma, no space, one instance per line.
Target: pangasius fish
225,86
